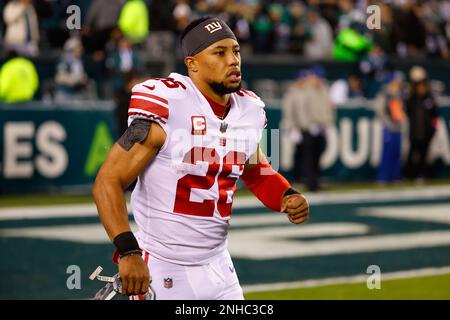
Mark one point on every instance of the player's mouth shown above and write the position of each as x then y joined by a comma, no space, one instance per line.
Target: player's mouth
234,76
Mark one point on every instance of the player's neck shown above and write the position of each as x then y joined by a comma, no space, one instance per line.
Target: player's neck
222,100
206,90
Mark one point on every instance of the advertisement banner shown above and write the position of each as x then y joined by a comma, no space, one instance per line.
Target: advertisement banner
60,148
354,144
53,148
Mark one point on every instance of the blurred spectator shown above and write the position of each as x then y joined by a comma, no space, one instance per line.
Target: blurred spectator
240,25
281,27
319,45
349,14
299,27
19,79
101,21
22,29
341,90
309,112
384,35
423,118
133,21
71,79
351,44
389,107
123,65
161,15
435,42
289,119
52,16
182,14
374,68
102,17
262,31
408,31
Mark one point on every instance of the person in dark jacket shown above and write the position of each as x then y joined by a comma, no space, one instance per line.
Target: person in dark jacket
423,117
123,65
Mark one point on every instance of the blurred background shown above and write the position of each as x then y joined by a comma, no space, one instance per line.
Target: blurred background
358,107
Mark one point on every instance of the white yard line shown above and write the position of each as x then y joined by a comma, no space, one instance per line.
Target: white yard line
345,280
51,211
274,243
439,213
437,192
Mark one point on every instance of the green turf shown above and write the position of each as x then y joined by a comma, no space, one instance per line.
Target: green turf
420,288
55,199
43,200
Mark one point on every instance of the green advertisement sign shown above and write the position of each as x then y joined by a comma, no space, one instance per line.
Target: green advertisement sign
53,148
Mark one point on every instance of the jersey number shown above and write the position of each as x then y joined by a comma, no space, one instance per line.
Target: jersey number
225,183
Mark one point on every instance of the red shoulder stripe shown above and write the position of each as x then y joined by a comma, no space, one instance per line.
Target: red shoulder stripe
148,95
150,107
150,116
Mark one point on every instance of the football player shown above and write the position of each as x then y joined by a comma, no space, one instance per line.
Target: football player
189,139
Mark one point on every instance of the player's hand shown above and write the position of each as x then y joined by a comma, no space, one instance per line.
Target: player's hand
296,206
134,275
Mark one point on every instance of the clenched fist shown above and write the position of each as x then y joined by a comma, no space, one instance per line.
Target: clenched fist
296,207
134,275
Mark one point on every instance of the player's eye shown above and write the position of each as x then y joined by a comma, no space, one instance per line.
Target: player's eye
220,53
236,51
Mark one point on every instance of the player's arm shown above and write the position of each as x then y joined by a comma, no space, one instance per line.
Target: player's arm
273,190
126,160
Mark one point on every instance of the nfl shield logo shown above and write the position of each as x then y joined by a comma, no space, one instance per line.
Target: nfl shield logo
168,283
223,127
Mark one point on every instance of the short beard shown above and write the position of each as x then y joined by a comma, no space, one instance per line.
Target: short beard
220,88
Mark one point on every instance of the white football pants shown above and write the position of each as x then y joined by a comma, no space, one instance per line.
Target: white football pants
214,281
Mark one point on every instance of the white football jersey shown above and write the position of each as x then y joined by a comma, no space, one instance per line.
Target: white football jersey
182,200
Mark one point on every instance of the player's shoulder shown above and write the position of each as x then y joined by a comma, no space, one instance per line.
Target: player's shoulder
174,87
249,99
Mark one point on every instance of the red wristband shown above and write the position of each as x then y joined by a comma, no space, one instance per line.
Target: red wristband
266,184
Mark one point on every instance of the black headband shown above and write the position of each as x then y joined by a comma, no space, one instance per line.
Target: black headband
205,34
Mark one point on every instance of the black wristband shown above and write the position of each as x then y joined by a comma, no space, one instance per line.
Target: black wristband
126,243
290,191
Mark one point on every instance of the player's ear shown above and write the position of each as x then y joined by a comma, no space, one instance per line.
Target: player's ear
191,63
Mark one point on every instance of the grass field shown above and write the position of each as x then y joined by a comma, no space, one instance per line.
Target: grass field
45,199
420,288
344,236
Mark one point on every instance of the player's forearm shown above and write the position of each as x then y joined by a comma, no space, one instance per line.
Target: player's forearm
109,198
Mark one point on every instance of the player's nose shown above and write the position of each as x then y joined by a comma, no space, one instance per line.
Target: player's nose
233,59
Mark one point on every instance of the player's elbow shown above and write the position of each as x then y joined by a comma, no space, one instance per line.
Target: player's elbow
101,185
97,188
105,184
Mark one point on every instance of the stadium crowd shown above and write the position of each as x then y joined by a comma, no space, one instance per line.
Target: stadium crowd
316,29
100,51
111,33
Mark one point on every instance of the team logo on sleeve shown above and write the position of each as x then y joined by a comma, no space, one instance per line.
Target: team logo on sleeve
168,283
198,125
